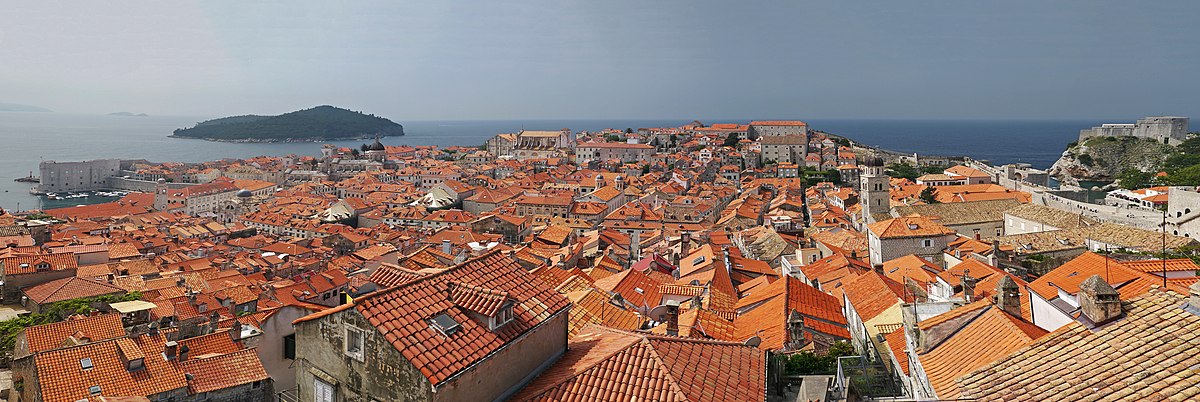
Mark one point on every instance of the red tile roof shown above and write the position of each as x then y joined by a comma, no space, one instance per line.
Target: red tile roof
402,314
609,365
51,336
67,289
768,320
224,371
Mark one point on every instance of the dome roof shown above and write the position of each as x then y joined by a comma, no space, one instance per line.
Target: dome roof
876,161
377,146
244,193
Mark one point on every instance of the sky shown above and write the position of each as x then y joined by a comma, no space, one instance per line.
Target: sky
611,59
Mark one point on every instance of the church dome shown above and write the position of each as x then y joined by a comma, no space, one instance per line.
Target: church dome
377,146
244,193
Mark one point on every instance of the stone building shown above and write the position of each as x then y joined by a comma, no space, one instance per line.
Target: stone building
898,237
77,176
980,220
478,331
874,192
622,151
784,148
1171,130
541,144
768,128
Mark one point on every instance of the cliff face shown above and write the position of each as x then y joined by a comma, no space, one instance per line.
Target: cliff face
1104,158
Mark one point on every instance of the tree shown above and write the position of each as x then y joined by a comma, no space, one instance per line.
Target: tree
807,362
645,169
364,147
1188,176
1132,179
628,130
929,195
903,170
731,140
354,152
612,138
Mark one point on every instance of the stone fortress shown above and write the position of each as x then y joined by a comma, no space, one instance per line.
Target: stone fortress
1170,130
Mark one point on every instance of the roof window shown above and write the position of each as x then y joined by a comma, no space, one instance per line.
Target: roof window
94,390
86,363
445,324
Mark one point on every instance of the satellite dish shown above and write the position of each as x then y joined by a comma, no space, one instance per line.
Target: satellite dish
754,341
658,314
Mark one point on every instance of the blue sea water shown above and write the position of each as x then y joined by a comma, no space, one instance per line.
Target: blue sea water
28,138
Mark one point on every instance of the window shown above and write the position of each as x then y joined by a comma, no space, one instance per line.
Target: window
355,339
926,243
503,316
289,346
322,391
94,390
86,363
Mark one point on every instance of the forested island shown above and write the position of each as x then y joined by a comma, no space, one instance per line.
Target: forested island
321,123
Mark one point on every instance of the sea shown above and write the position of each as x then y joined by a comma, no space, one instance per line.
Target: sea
28,138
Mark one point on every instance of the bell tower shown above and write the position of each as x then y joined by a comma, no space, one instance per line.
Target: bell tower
874,192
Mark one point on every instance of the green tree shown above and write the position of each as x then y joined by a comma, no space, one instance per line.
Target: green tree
612,138
1188,176
1132,179
929,195
807,362
903,170
731,140
354,152
645,169
628,130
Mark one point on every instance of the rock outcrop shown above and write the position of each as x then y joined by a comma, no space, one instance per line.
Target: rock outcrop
1104,158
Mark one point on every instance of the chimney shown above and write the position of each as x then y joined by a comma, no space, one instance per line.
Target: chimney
183,352
968,285
795,328
1008,296
878,268
213,319
673,318
446,248
1098,301
635,247
685,244
728,266
994,259
170,349
235,332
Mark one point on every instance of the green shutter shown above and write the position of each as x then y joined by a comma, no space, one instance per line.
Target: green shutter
289,346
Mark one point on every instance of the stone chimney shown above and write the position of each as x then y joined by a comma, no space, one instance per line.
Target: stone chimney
968,285
685,245
1098,301
446,247
212,321
635,247
994,259
170,350
235,331
673,318
728,266
183,353
1008,296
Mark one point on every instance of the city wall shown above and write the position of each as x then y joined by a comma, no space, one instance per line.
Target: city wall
1058,199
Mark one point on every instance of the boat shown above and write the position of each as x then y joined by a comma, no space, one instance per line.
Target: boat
28,179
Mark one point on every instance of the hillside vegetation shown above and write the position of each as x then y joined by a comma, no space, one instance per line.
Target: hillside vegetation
1132,162
1106,158
321,123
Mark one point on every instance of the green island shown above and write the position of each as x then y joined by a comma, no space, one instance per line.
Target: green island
321,123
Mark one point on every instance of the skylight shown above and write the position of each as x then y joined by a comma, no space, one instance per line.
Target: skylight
86,363
445,324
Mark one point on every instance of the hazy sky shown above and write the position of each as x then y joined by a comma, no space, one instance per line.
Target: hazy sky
428,60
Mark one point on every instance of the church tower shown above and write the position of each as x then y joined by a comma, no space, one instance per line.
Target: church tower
160,195
874,192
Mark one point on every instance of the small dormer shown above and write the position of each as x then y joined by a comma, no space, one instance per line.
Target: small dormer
490,307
